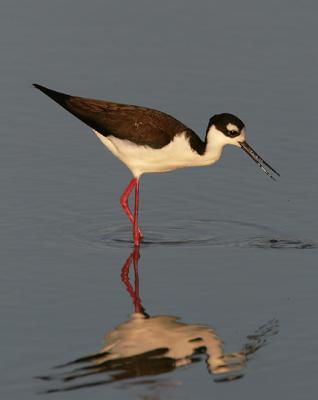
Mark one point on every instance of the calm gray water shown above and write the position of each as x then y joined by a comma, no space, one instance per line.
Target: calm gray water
226,248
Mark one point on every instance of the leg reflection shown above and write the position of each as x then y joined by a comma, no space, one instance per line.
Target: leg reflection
134,292
146,346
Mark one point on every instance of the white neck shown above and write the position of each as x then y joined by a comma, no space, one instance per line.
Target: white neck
215,141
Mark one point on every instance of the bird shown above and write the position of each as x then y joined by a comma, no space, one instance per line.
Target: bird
149,141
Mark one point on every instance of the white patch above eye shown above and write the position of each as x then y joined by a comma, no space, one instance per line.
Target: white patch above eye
232,127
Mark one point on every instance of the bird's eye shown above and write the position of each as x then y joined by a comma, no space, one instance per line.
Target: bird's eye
233,133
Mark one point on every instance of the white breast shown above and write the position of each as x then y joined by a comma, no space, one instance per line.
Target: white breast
144,159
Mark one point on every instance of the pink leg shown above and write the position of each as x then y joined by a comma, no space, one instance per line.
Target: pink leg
136,229
124,203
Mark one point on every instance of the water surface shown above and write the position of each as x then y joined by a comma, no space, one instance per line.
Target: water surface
225,247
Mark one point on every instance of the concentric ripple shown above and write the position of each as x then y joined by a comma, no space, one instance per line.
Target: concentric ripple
215,233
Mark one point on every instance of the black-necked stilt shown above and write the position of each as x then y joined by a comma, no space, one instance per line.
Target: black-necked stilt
148,140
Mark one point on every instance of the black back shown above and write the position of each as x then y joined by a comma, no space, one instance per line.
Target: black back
140,125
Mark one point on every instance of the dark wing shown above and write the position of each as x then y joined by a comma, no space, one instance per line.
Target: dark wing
140,125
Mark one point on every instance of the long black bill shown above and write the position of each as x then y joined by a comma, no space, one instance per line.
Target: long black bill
259,161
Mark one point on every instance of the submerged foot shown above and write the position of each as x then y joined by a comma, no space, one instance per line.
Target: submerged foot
138,236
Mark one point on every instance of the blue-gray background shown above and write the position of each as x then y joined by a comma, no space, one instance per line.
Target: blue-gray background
60,289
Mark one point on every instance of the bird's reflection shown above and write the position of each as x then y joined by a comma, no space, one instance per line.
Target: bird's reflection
147,346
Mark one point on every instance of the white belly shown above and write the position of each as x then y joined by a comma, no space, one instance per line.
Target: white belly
145,159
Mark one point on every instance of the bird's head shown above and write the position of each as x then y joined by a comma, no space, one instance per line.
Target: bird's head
228,129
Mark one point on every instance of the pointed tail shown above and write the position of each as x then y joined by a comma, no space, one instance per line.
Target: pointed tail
60,98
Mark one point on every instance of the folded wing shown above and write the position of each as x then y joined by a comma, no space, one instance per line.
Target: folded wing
143,126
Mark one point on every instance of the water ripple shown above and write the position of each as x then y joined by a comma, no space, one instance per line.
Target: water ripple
265,243
197,233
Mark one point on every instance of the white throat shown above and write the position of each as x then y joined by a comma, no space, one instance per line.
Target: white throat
216,141
214,146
